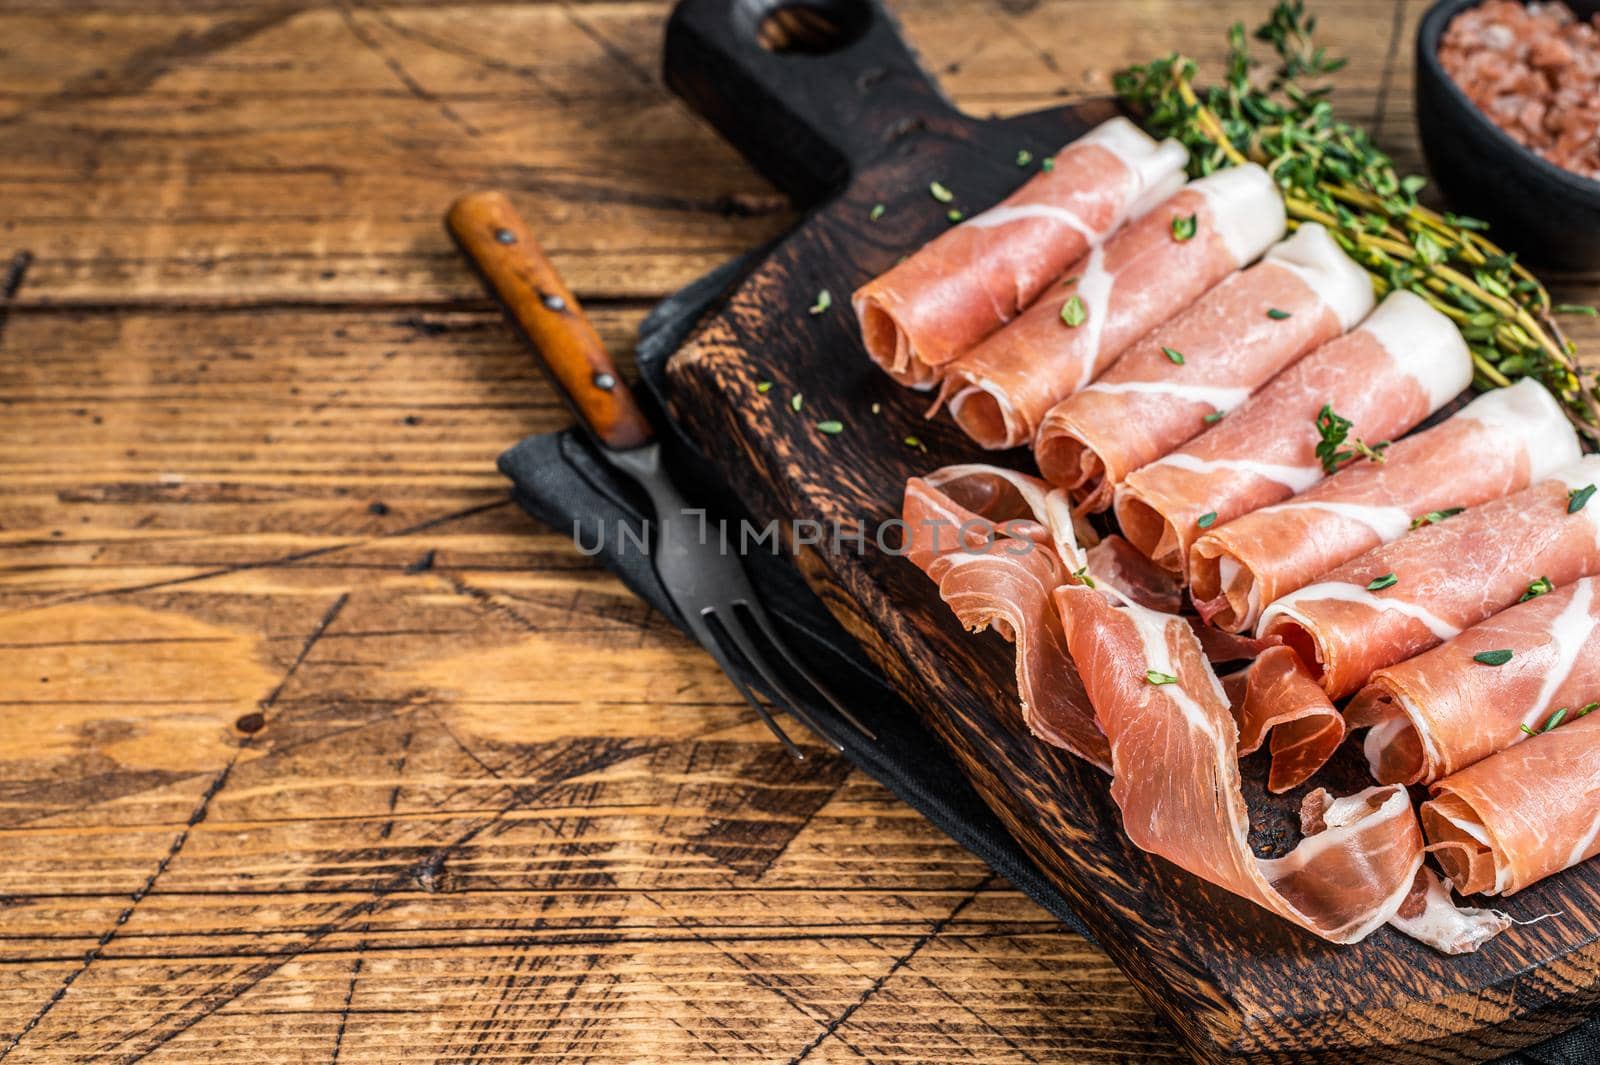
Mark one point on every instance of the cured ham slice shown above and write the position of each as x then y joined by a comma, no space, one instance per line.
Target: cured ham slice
1499,443
1520,815
1281,697
1400,365
1175,777
977,276
998,543
1143,275
1149,403
1398,600
970,505
1429,915
1118,564
1445,709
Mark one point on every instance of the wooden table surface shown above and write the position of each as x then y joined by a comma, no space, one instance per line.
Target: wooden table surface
312,746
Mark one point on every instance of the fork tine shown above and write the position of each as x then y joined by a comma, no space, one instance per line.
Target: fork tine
708,640
741,638
763,622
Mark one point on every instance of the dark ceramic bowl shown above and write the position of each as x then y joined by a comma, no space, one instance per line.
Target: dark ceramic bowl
1549,216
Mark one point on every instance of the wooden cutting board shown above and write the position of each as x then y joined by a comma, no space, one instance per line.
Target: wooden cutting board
828,103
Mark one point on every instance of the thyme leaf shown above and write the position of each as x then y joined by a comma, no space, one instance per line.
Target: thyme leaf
1073,313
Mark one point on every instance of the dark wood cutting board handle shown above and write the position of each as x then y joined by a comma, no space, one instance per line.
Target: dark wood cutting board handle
514,269
807,90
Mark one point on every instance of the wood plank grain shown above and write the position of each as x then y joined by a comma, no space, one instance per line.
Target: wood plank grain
439,830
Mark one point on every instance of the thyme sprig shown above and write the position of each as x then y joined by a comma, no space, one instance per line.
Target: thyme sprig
1334,431
1330,172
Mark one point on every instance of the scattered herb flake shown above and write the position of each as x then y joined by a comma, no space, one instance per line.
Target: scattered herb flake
1536,589
1024,157
1082,575
954,215
940,193
1206,520
1175,357
1493,658
1072,312
1526,729
764,387
832,428
1155,676
795,401
1184,226
876,212
824,301
1578,498
916,442
1586,708
1277,315
1378,584
1048,165
1434,517
1214,417
1555,719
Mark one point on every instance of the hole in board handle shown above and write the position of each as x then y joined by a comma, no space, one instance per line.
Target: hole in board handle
812,27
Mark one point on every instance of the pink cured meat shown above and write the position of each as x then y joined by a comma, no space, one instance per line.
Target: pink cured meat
977,276
994,542
1000,390
1443,710
1281,697
1403,363
1175,777
1147,403
1354,621
1521,815
1499,443
966,506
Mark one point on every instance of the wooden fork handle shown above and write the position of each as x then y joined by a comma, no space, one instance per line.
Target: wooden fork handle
514,269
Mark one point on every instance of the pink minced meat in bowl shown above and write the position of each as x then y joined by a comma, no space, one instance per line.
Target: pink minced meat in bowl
1534,70
1507,97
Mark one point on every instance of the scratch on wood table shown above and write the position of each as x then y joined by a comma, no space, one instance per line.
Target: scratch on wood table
312,747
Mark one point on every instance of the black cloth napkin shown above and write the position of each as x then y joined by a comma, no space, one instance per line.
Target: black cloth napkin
562,481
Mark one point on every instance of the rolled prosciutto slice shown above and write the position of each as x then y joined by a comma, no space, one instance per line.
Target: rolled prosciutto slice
1175,777
1400,365
1000,390
1499,443
1398,600
977,276
1498,683
1205,361
1519,816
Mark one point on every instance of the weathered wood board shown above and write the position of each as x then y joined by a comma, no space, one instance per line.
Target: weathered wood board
1238,983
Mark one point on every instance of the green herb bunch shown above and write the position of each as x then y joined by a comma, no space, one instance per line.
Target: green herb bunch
1330,172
